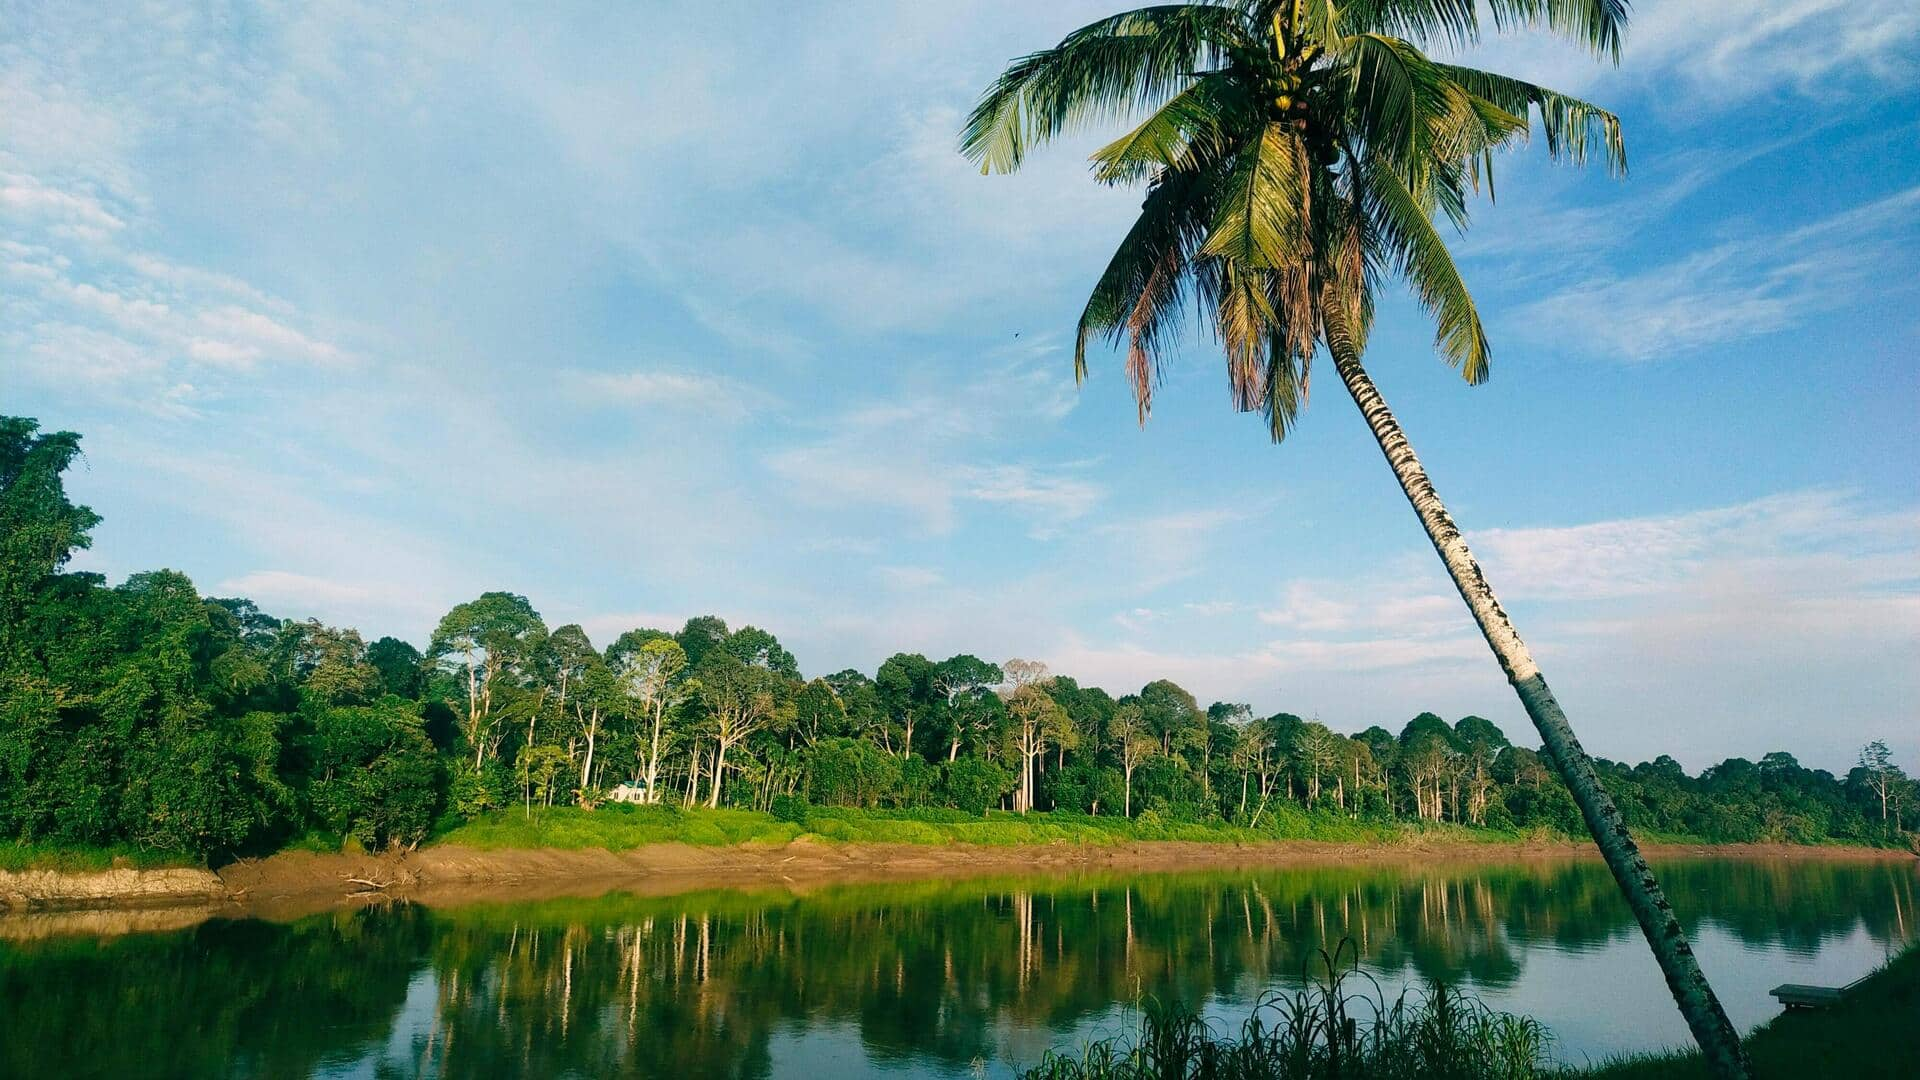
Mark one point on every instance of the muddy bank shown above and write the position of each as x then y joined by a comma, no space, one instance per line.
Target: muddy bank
294,883
33,889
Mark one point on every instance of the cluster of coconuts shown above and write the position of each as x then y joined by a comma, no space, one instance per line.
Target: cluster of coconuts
1289,85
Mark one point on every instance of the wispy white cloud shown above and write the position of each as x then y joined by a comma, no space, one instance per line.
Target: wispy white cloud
1152,551
1737,47
75,215
910,578
1713,55
273,587
1406,607
1732,291
929,449
1798,544
1051,499
709,395
128,327
1212,608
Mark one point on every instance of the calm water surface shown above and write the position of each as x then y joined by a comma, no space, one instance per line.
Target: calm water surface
957,978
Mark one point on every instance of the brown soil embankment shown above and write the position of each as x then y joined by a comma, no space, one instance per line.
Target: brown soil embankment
293,883
30,889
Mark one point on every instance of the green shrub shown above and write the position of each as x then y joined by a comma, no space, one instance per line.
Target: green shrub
973,784
378,777
852,772
473,792
790,808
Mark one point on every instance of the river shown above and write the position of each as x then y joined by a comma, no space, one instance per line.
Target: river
948,978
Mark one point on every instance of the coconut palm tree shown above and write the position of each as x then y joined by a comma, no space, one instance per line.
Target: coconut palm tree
1296,153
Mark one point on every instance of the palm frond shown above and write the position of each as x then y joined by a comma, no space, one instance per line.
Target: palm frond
1404,229
1455,22
1199,120
1285,391
1139,295
1397,100
1571,126
1597,25
1105,70
1246,322
1262,217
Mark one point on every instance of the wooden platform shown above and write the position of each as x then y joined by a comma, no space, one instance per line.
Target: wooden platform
1803,996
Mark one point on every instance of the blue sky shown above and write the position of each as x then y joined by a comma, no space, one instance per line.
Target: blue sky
364,309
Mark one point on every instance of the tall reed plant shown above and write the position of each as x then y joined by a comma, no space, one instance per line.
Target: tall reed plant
1339,1025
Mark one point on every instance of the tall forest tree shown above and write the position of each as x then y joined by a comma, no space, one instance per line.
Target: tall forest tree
1133,743
652,675
491,645
739,700
1034,720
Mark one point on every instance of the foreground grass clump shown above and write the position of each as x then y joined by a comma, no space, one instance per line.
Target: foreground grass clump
1322,1031
1874,1033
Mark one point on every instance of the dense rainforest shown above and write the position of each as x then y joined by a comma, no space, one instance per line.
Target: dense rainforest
145,715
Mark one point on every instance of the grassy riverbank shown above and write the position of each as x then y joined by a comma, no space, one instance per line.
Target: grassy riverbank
17,857
1874,1033
625,828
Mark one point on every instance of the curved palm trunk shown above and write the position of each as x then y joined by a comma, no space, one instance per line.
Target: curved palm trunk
1711,1028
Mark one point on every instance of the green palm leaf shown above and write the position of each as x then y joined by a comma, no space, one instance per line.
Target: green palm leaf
1407,235
1201,119
1571,126
1105,70
1262,216
1597,24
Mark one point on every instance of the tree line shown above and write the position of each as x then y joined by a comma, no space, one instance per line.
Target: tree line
145,714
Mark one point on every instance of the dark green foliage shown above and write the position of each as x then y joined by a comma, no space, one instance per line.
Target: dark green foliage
401,667
852,772
974,784
1165,786
473,791
701,635
377,779
205,784
40,528
789,808
1084,788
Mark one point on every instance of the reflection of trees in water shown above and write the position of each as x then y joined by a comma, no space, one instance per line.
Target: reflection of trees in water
701,984
224,998
937,969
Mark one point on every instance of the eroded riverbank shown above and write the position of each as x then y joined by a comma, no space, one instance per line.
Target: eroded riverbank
290,884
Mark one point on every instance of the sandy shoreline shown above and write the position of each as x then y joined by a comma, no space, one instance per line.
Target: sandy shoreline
290,884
